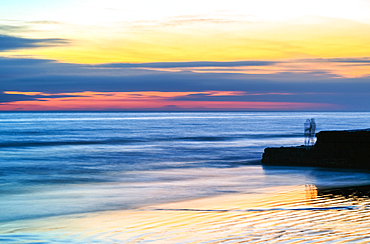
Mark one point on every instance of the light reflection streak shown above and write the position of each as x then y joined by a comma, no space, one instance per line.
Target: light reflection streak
220,219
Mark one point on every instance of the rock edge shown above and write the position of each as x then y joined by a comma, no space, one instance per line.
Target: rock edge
339,149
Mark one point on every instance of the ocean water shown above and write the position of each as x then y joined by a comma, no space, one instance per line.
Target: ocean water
57,165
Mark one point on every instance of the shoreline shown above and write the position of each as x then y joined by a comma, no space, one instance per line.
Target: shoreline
275,214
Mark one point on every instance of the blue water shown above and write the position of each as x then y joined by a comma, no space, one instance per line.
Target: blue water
62,163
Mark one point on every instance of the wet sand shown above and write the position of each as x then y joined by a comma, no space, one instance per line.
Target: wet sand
292,214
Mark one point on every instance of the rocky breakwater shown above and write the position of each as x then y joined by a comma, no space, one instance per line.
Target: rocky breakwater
339,149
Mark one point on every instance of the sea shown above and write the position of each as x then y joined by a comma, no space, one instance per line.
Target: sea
60,168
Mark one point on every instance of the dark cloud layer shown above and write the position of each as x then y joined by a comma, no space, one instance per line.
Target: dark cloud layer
11,98
48,76
364,60
8,43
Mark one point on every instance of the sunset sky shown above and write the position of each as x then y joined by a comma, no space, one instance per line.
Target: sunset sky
155,55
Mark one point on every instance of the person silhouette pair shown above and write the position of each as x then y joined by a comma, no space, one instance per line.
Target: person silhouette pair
309,132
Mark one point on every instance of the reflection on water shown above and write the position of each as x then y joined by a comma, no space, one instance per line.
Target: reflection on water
294,214
350,192
76,178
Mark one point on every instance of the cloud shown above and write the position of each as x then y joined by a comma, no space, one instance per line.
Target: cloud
12,43
350,94
215,18
19,67
50,77
185,64
11,28
24,62
4,98
362,60
144,101
13,69
44,22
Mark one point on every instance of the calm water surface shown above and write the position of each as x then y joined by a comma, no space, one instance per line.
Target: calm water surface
56,166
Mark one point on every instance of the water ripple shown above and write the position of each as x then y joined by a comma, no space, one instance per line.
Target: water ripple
305,215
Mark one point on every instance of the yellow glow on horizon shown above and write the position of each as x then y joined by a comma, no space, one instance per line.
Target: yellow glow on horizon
190,39
108,31
24,93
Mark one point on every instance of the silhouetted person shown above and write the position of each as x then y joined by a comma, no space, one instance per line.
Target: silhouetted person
312,131
307,132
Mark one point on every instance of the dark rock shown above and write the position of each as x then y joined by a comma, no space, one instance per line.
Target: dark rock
339,149
350,192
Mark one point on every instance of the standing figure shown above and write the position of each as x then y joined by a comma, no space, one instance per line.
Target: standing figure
312,131
307,132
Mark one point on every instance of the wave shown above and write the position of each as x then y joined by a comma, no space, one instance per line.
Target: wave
351,207
236,137
63,143
115,141
205,138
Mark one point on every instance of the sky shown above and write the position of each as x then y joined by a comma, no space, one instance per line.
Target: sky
160,55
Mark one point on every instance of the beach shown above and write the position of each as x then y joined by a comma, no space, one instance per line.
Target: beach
295,214
173,178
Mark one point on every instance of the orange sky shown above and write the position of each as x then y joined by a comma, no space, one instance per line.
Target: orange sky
144,100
